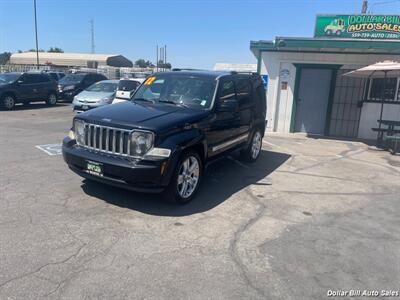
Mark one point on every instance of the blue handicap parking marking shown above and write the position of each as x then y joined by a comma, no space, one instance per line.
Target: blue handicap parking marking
50,149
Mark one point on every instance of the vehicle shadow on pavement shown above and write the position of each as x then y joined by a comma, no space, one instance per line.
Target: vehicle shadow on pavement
222,179
33,106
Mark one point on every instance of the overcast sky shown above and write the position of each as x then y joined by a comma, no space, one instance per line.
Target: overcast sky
197,33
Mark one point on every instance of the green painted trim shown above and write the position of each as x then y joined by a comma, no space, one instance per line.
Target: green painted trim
299,68
259,61
330,101
282,42
295,96
333,52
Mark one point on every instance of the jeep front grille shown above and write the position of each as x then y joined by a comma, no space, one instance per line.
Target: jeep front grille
107,139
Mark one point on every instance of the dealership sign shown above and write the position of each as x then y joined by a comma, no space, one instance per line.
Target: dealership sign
358,26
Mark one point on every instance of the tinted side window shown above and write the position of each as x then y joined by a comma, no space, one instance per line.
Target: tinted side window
243,88
28,78
88,79
227,90
42,78
54,76
127,85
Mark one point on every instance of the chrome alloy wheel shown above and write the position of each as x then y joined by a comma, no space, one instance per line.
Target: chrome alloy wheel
256,145
8,102
188,176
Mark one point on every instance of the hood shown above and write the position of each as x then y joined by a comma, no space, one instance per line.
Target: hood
4,84
155,117
68,83
93,96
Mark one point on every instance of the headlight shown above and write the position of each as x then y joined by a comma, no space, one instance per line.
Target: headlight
106,100
69,87
79,131
141,142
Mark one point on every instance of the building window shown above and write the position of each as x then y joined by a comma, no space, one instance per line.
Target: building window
391,92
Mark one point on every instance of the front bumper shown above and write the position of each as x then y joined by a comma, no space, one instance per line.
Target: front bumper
128,173
66,95
82,106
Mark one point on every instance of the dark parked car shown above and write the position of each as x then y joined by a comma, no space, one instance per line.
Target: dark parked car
56,75
25,88
175,124
72,84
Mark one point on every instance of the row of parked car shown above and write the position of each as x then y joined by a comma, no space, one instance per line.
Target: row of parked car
85,90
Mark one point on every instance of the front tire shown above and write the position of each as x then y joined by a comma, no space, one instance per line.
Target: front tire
186,179
51,99
8,102
253,150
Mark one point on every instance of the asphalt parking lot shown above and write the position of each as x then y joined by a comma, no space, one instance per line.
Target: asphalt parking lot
311,215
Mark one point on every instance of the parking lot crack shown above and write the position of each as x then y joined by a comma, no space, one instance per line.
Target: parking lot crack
234,248
75,254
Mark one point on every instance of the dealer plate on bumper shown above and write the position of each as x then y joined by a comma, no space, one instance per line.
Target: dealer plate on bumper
94,168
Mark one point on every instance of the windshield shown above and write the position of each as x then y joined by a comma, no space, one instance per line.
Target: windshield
192,91
72,78
127,85
8,78
106,87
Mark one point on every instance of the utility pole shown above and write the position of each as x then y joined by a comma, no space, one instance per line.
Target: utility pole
36,35
157,59
92,35
165,54
364,8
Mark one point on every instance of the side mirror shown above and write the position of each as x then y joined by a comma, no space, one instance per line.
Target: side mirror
227,105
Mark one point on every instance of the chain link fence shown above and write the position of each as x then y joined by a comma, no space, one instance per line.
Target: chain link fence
109,72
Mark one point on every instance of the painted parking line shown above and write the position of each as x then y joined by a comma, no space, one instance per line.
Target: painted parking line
50,149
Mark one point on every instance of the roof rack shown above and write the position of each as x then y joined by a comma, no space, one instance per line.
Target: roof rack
243,72
187,69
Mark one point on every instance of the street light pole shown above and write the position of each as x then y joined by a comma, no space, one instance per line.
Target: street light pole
36,35
364,7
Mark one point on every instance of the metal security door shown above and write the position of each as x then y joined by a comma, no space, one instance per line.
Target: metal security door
345,115
312,100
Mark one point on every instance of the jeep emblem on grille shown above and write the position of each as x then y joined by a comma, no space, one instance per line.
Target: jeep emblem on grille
106,120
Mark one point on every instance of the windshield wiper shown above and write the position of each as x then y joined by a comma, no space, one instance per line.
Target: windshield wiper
172,102
143,99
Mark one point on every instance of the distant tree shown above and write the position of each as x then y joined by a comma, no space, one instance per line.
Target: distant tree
55,50
19,51
34,50
4,58
162,64
141,63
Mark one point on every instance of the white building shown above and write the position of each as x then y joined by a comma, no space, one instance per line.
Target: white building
235,67
70,59
307,92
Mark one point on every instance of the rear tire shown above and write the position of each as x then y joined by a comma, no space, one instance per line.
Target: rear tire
8,102
186,179
51,99
253,150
